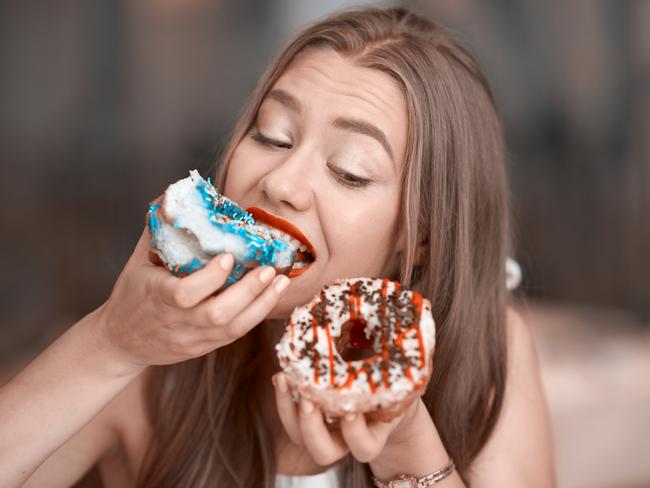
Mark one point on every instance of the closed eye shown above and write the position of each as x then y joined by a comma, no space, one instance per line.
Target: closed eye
266,141
348,179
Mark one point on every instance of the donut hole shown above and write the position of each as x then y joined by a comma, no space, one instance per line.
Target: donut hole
353,344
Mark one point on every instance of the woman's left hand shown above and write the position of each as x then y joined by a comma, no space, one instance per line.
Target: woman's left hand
306,426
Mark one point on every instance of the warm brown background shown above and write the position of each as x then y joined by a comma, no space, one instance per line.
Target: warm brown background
102,104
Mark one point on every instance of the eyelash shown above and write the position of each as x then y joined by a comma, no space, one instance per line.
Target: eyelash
345,178
262,139
348,179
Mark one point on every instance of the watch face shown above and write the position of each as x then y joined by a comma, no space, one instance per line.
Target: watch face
404,483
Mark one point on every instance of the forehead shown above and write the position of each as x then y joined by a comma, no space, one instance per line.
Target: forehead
330,85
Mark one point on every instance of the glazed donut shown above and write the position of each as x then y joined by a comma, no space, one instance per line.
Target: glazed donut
192,222
361,345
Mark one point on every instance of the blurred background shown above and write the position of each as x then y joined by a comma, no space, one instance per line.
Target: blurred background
104,103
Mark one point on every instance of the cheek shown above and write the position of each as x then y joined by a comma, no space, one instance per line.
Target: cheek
241,175
365,239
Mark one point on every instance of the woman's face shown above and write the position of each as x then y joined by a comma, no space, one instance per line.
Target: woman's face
325,154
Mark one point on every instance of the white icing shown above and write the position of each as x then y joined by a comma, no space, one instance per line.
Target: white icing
336,399
183,208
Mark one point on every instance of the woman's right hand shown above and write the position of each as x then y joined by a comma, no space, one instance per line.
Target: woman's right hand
153,317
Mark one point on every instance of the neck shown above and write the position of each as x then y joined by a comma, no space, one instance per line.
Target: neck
271,331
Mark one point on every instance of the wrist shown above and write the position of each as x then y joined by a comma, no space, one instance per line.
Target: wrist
413,448
408,481
100,351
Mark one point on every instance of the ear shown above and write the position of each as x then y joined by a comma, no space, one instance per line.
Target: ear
421,250
421,253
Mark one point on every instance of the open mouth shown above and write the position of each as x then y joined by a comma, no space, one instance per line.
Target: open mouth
282,229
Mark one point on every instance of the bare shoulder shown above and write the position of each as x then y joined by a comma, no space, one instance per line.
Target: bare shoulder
520,451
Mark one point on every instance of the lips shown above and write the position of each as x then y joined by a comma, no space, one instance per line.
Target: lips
279,223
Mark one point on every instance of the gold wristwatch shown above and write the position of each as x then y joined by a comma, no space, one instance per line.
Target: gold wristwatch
407,481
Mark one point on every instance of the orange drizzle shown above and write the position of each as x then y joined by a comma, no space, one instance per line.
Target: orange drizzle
399,342
352,375
407,371
354,304
314,324
323,302
373,387
384,326
417,299
329,345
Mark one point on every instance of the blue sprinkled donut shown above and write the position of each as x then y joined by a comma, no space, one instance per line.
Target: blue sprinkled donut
192,222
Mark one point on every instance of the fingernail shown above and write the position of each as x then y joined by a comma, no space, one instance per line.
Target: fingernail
226,261
307,406
350,416
281,283
281,382
267,274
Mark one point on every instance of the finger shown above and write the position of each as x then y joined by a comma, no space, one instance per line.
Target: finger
287,409
260,308
365,440
381,430
188,291
192,289
323,446
141,251
221,310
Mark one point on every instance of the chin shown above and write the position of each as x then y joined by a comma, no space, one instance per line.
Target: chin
301,291
280,312
294,298
284,307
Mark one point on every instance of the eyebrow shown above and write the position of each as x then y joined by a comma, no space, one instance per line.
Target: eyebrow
351,125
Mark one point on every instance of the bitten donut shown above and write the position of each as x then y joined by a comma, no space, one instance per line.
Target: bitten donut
361,345
192,222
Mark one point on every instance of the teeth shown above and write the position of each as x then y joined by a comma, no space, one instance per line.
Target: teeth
288,238
295,243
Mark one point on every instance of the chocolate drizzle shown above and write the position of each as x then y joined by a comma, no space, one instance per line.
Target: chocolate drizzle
389,317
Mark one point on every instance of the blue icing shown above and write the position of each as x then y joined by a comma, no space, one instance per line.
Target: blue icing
215,202
237,272
153,222
230,218
261,248
154,225
196,264
190,267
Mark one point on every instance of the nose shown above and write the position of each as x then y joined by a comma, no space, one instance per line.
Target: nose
289,182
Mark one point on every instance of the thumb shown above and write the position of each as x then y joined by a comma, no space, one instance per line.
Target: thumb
142,249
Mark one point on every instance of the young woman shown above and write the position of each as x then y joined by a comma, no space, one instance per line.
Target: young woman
376,135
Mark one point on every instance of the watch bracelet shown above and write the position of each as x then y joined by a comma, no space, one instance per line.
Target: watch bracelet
439,475
424,481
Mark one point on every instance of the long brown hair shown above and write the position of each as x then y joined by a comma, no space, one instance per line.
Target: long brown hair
208,424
